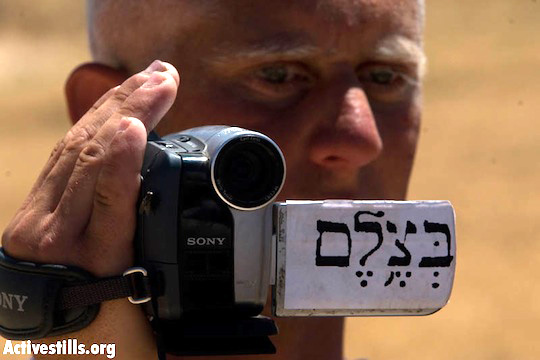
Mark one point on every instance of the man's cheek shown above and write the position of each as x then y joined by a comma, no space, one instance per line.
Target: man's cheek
399,126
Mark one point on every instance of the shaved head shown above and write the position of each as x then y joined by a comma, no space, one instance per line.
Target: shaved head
128,34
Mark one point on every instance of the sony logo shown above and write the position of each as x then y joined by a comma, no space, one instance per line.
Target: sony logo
205,241
6,301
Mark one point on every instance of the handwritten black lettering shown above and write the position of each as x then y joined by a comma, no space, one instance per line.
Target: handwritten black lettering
327,226
438,261
369,227
406,258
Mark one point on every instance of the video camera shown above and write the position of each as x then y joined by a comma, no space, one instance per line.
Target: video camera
212,242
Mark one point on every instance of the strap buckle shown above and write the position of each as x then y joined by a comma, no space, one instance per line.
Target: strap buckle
144,273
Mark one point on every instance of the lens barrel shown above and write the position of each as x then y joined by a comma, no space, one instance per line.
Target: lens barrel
248,171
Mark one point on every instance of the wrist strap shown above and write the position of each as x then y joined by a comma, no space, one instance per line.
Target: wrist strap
41,300
133,284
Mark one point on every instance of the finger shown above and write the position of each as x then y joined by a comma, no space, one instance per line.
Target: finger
107,105
62,160
113,216
113,219
55,154
150,102
156,94
104,109
78,198
55,181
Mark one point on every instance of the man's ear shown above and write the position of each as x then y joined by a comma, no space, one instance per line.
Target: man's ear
86,84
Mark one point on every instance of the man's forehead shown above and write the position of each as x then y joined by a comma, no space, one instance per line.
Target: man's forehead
258,23
168,13
382,30
283,24
346,12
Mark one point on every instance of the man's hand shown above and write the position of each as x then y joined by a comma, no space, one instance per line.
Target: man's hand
81,210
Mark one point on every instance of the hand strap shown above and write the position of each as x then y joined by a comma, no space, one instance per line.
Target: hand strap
41,300
133,284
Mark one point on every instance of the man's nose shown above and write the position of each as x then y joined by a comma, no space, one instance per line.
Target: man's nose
349,137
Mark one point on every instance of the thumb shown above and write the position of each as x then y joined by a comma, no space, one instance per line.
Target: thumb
110,232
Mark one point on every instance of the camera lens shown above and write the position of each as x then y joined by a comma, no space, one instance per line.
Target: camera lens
249,171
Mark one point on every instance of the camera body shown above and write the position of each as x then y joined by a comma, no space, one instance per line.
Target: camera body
204,222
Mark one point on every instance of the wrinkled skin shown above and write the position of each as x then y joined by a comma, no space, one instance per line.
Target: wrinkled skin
346,119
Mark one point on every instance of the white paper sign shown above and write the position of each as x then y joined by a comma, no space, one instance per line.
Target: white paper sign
366,258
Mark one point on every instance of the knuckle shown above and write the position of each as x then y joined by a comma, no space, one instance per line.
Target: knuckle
14,232
36,237
131,108
112,190
18,237
92,154
57,148
94,107
140,78
121,94
105,198
76,139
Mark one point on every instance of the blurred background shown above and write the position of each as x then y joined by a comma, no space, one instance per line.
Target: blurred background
480,148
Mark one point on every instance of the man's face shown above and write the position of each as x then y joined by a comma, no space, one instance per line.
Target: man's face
333,82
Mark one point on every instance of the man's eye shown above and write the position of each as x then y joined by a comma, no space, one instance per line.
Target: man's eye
383,77
275,74
279,81
385,82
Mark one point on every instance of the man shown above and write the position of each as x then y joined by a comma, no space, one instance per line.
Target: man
336,83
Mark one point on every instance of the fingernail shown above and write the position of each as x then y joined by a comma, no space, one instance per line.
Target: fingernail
156,65
154,80
124,124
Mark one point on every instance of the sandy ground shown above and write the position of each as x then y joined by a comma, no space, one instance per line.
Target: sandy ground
480,148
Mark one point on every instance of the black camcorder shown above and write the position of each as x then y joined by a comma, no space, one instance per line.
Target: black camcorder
211,242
